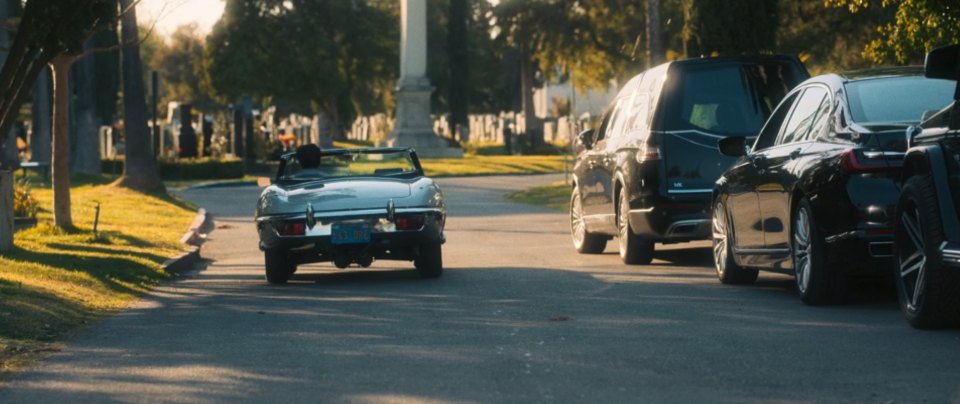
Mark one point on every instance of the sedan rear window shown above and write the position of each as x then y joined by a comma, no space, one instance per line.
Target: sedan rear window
901,99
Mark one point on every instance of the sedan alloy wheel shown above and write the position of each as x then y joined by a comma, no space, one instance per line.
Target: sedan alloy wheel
816,284
727,269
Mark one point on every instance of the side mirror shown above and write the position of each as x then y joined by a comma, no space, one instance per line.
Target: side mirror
944,63
585,139
733,146
263,182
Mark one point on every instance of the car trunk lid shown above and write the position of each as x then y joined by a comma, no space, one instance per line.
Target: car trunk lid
353,195
691,161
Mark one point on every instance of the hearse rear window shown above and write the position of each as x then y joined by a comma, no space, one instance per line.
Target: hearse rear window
731,99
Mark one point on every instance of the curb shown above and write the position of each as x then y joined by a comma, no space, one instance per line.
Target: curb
202,224
193,239
184,262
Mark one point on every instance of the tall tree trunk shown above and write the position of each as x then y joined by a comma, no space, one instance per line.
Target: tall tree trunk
139,168
655,52
61,140
533,127
6,173
40,137
9,155
6,215
85,134
459,63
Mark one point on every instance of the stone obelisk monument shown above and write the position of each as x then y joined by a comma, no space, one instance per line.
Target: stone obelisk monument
414,127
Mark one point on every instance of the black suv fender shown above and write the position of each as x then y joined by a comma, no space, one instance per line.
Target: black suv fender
929,159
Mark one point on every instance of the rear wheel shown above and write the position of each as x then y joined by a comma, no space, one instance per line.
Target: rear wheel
815,283
279,266
430,261
583,241
925,289
727,269
634,250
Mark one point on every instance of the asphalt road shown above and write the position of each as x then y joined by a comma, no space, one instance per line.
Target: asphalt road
518,316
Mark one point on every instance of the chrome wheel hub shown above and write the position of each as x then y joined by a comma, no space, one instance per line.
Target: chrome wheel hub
719,238
913,258
802,249
622,223
577,227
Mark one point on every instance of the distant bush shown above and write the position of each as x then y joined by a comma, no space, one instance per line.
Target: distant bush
188,169
484,149
498,149
24,204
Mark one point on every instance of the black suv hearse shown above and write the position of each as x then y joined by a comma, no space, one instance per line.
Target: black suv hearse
646,174
927,231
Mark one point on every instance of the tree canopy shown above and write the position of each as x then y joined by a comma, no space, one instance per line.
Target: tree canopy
334,57
917,27
44,30
179,62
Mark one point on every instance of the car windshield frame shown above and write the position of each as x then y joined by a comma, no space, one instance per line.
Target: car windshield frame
853,90
338,164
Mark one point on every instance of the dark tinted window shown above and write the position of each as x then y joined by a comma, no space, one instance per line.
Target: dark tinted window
600,130
822,122
803,116
772,128
897,99
620,114
724,98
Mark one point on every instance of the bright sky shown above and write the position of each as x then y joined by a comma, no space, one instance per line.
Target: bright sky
169,14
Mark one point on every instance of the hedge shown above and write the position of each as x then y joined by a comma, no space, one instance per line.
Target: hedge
187,169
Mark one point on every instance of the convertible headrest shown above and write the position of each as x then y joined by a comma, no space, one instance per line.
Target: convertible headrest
309,155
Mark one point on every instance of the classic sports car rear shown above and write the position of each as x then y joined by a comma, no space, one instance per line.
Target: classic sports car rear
350,206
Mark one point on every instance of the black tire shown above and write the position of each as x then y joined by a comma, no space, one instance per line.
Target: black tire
279,266
634,250
584,242
728,271
430,261
816,284
927,291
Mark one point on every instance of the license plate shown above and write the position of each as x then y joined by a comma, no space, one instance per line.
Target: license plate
350,233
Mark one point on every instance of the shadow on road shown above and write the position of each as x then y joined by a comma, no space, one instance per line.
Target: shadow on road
543,327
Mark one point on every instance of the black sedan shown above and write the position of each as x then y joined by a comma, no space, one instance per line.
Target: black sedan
815,195
350,206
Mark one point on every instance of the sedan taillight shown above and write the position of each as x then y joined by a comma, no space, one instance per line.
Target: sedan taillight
861,161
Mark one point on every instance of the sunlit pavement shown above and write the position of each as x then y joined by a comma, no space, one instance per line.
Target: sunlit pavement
518,316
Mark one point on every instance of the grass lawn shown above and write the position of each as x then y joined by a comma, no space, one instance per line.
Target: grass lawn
555,196
468,165
493,165
181,184
488,159
57,281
